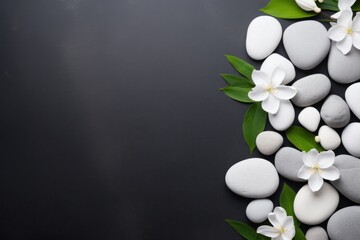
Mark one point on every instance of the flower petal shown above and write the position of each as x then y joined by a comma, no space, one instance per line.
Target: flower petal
260,78
289,235
273,219
356,40
335,16
345,4
345,45
337,33
356,22
277,77
331,173
345,18
326,159
315,182
268,231
271,104
310,158
280,215
258,94
284,92
305,172
289,228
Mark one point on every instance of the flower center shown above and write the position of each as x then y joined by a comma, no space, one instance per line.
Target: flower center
282,230
316,168
270,89
349,31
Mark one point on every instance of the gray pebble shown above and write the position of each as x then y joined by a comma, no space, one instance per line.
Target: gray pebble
335,112
316,233
288,162
311,89
344,224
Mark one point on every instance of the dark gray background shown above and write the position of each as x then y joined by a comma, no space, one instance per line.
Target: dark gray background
112,124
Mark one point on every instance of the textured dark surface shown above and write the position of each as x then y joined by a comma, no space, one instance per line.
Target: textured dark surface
112,125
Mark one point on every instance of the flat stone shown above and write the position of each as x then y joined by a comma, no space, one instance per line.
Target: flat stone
309,118
257,211
269,142
352,97
306,43
288,163
344,161
311,89
316,233
313,208
344,68
263,36
277,61
335,112
329,138
253,178
284,118
351,139
344,224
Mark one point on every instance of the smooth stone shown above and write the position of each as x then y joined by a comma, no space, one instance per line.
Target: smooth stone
277,61
351,139
344,224
315,207
263,36
311,89
344,68
329,138
269,142
344,161
335,112
288,163
253,178
316,233
257,211
309,118
306,43
284,118
352,97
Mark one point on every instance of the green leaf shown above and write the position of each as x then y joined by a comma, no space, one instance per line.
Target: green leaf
234,80
302,139
241,66
287,197
331,5
237,93
299,235
253,124
245,230
287,9
356,6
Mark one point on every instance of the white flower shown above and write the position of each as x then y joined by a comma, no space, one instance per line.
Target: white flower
269,90
343,5
283,226
317,167
308,5
346,32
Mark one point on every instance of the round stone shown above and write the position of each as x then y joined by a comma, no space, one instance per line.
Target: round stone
351,139
309,118
277,61
258,210
253,178
315,207
329,138
285,116
263,36
344,224
335,112
352,97
269,142
288,163
316,233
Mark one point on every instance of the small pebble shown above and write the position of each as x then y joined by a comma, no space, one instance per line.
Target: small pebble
335,112
316,233
269,142
309,118
329,138
288,163
257,211
284,118
351,138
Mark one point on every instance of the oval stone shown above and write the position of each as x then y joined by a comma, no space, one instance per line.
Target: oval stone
352,97
285,116
335,112
253,178
268,142
311,89
316,233
288,163
263,36
309,118
344,224
315,207
351,139
257,211
329,138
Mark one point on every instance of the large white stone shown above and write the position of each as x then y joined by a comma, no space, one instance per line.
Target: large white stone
306,43
335,112
316,233
257,211
309,118
285,116
329,138
277,61
311,89
263,36
253,178
351,139
344,68
269,142
352,97
315,207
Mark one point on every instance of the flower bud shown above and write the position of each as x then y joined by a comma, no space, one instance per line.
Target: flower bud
308,5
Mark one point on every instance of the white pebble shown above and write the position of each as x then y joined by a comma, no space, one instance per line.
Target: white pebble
316,233
283,119
309,118
352,97
258,210
329,138
351,139
269,142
